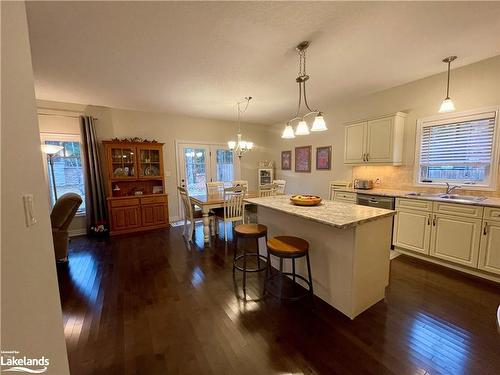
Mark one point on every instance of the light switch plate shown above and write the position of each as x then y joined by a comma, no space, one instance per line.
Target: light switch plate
29,213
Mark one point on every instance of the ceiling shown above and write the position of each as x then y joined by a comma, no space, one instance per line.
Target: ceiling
199,58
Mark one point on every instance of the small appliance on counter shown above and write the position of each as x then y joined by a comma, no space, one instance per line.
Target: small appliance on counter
363,184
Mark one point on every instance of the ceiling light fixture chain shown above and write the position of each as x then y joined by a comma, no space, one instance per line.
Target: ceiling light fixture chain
447,104
302,78
239,147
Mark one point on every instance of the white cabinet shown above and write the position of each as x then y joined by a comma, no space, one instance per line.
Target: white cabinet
355,143
489,252
375,141
456,239
344,196
412,230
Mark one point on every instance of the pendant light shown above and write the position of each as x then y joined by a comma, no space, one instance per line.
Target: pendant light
319,121
240,147
447,104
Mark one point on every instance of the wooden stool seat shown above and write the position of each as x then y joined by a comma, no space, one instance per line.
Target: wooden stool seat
287,246
251,230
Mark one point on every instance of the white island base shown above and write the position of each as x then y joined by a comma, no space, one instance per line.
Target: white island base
350,266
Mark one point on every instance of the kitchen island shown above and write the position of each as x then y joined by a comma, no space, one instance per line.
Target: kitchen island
349,248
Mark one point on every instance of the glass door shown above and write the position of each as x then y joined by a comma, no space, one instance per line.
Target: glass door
222,160
202,163
123,162
194,168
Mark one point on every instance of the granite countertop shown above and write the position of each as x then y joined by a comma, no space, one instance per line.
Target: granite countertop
488,202
337,214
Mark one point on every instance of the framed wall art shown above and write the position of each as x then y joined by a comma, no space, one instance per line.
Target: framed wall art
324,158
303,159
286,160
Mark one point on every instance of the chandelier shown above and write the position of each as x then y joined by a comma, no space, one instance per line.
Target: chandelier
240,147
319,124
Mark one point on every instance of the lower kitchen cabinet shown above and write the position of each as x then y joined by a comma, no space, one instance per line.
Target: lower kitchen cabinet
489,252
456,239
412,230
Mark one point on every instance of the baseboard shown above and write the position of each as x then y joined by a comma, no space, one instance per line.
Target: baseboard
77,232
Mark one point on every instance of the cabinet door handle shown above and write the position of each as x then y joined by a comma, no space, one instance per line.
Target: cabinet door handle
368,156
364,157
429,219
434,221
485,229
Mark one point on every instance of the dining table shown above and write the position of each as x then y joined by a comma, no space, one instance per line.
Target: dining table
209,202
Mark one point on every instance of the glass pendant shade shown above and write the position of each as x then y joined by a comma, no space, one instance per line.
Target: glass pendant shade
231,145
302,128
447,106
288,132
319,124
249,145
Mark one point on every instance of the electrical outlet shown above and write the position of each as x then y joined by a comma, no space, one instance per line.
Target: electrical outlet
378,181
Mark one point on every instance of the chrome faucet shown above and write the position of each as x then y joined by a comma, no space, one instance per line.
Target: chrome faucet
451,188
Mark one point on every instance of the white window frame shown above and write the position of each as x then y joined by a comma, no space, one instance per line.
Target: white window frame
68,137
459,117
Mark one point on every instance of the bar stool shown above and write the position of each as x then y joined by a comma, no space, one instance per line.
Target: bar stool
255,231
288,247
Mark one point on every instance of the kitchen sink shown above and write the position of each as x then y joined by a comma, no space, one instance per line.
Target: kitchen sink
458,197
452,197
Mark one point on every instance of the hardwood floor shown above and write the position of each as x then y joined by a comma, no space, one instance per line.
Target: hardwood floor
147,304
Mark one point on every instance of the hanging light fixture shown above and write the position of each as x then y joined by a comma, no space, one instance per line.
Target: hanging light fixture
447,104
319,124
239,147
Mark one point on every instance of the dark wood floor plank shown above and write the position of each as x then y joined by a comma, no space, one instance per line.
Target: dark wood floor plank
153,304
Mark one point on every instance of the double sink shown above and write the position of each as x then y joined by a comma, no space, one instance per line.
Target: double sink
451,197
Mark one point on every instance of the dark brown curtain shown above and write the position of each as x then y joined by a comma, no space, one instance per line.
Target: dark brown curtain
94,184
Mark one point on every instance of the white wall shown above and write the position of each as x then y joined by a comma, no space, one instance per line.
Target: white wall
473,86
31,316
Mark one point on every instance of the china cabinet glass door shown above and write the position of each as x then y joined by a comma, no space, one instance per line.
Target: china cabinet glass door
149,162
123,162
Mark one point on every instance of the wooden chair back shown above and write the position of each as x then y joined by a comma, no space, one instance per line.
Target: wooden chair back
186,203
234,207
215,188
268,190
280,186
242,183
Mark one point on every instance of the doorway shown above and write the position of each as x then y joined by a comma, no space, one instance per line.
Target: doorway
199,163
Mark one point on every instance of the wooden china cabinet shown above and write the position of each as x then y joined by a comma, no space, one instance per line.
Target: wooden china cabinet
135,186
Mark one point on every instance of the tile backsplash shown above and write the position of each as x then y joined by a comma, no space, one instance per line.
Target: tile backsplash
401,178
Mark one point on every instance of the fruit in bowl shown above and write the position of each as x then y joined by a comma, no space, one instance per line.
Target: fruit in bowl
305,200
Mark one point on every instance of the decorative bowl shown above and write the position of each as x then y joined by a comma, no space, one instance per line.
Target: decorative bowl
305,200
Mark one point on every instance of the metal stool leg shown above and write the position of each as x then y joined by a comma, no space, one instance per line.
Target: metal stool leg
281,277
235,252
258,257
310,275
245,270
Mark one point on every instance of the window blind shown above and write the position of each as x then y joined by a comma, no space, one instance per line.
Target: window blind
458,144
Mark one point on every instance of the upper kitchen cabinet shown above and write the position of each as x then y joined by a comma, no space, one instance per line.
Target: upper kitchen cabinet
375,141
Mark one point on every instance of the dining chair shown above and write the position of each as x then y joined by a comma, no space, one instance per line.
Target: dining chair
234,207
268,190
242,183
190,213
215,188
280,186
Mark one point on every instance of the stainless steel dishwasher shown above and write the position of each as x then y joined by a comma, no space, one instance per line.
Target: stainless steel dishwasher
375,201
379,202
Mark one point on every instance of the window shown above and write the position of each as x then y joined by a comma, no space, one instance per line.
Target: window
458,149
68,171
